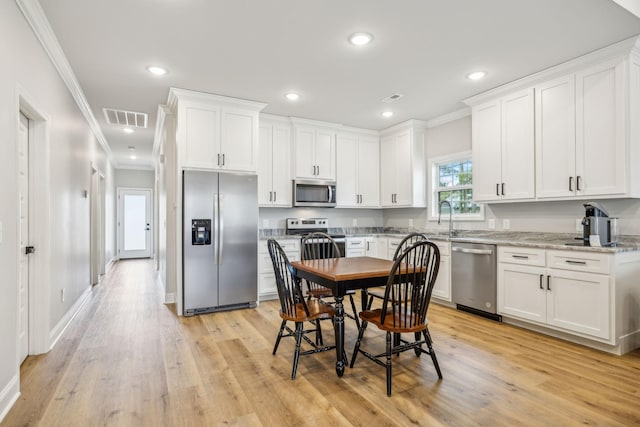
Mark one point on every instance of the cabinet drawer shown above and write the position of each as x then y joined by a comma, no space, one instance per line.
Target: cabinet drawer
355,243
579,261
523,256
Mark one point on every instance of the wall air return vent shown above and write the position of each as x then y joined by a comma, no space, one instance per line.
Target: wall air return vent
392,98
125,118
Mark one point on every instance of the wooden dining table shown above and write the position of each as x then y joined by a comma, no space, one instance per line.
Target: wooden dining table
342,275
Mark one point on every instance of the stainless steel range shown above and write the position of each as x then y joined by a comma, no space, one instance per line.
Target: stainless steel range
304,226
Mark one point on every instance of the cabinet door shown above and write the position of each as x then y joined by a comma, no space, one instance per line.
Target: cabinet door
325,153
442,287
387,171
486,148
347,171
239,140
522,292
600,130
555,138
369,172
371,247
579,302
404,170
518,152
202,144
282,187
304,148
265,165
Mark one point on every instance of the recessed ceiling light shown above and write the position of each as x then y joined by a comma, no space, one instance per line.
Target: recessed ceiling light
132,157
158,71
127,130
360,39
476,75
387,114
292,96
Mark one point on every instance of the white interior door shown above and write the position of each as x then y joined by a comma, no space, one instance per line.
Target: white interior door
23,279
134,223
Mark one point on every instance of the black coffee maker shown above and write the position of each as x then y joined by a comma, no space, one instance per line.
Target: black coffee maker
596,222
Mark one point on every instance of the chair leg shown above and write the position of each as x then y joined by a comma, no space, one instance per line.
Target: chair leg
355,311
418,350
427,338
363,326
388,363
319,340
275,348
296,355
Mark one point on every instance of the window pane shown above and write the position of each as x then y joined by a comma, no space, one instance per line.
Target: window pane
458,174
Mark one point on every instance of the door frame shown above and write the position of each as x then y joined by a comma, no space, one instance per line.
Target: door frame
97,225
39,218
119,207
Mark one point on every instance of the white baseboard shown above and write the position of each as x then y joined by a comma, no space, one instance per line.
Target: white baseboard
110,264
169,298
61,326
9,395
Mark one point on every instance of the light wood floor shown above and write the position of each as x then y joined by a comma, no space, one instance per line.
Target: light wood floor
128,360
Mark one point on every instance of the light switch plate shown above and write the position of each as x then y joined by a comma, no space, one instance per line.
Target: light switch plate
492,224
265,223
506,224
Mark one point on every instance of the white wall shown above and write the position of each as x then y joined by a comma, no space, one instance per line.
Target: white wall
134,178
73,149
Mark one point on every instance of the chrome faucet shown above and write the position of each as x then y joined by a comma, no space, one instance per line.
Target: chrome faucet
450,213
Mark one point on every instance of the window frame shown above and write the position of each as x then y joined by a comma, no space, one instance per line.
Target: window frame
434,164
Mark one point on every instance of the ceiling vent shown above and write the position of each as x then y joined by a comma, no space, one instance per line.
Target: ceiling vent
125,118
392,98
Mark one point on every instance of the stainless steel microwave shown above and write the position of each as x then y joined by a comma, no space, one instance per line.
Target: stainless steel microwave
314,193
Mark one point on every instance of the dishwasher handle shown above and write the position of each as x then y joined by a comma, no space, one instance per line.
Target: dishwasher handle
472,251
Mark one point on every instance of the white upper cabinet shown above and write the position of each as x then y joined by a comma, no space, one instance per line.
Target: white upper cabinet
585,132
358,170
555,138
215,132
402,166
274,164
503,148
581,134
315,151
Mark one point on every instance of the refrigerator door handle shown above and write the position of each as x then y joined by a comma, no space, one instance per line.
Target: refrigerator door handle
216,229
221,225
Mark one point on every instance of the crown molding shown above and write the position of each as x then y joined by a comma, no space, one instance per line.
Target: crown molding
299,121
411,123
449,117
614,51
275,118
36,18
177,94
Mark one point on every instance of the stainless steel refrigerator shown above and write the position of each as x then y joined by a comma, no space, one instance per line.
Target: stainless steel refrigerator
220,241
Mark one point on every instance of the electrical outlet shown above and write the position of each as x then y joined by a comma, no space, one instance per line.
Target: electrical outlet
265,223
62,294
355,222
506,224
579,224
410,222
492,224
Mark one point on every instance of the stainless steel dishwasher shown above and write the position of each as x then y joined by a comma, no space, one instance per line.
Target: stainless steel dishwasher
473,278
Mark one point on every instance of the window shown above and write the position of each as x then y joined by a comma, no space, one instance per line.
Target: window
452,180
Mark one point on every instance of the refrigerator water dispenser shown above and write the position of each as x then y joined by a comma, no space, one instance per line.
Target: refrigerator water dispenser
200,231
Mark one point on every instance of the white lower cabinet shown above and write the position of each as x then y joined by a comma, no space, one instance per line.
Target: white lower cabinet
371,246
565,290
442,287
355,246
267,288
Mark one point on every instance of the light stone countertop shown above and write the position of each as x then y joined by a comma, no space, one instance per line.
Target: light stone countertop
557,241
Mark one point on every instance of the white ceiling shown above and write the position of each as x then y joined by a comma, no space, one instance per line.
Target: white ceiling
260,49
